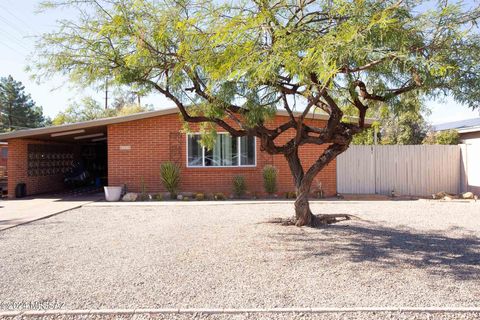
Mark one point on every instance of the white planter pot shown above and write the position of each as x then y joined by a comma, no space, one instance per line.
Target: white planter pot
113,193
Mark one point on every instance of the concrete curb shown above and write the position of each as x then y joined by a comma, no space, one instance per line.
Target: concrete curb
36,313
202,203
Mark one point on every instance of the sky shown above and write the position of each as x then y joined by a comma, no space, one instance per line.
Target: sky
20,22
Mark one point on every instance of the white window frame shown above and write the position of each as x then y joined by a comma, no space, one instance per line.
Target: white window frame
239,146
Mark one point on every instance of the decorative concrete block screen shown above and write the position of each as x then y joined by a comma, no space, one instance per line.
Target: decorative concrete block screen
416,170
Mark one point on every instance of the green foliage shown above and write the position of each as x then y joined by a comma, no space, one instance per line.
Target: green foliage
270,174
366,137
402,123
90,109
17,109
144,196
170,174
443,137
219,196
158,197
87,109
291,195
239,186
405,123
232,64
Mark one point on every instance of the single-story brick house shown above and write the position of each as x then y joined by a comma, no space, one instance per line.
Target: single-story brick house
130,149
3,154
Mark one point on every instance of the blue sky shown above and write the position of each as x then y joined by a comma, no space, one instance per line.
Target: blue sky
20,22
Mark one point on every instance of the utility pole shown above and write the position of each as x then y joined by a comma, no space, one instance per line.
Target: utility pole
106,93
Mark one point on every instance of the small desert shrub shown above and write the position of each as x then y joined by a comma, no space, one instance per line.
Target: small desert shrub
219,196
291,195
157,197
200,197
239,186
170,173
270,179
144,194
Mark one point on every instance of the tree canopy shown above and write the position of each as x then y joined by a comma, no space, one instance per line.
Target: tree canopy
232,65
90,109
17,109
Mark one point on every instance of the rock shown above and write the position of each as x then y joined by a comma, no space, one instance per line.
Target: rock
447,198
188,194
166,195
468,195
442,195
131,196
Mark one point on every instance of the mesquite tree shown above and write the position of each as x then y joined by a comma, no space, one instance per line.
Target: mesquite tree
232,65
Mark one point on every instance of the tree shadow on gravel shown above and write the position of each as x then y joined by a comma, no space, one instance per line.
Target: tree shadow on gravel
390,248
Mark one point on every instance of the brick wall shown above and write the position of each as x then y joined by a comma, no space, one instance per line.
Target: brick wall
18,170
137,148
3,160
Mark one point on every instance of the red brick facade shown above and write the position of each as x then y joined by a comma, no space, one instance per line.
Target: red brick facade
136,150
3,155
18,170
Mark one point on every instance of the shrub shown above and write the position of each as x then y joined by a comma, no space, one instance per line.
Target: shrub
219,196
291,195
443,137
144,193
239,186
200,197
157,197
270,179
170,174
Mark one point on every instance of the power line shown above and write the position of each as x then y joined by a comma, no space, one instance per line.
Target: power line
11,36
11,48
18,18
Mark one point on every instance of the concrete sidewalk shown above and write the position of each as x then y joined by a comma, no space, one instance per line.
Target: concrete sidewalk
17,212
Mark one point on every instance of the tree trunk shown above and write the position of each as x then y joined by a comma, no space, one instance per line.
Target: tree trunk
303,182
303,214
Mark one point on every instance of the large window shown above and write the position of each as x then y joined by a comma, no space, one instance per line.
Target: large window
227,152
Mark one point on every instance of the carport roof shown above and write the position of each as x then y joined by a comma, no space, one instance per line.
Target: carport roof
102,123
26,133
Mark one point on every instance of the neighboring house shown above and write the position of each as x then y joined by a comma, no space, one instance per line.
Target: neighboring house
130,149
469,131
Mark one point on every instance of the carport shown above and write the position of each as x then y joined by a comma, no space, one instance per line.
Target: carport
78,155
58,158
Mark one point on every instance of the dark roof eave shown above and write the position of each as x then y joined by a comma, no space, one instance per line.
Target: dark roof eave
113,120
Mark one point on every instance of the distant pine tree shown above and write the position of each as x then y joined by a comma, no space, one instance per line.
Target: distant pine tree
17,109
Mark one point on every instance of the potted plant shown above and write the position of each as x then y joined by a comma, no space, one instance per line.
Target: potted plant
113,193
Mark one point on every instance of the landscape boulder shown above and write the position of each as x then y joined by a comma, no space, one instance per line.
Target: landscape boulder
468,195
131,196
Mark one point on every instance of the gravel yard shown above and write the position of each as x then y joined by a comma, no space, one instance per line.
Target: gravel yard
398,253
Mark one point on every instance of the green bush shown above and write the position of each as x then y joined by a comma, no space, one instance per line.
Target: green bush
270,179
170,174
220,196
239,186
158,197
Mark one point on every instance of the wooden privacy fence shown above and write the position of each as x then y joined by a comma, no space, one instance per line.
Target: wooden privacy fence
417,170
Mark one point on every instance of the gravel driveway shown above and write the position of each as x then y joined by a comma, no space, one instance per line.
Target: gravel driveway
399,253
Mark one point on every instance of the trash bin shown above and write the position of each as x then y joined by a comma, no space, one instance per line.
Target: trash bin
21,190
